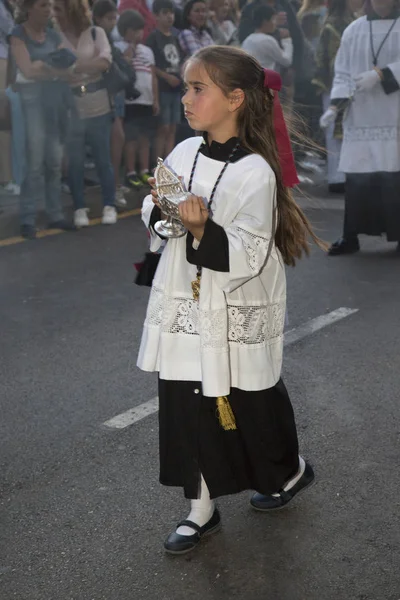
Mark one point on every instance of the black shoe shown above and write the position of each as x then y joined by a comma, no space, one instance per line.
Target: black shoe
336,188
344,246
181,544
28,232
269,503
62,224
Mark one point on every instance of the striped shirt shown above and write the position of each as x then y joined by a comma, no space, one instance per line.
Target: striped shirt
143,63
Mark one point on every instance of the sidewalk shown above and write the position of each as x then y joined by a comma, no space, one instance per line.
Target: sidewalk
9,209
312,194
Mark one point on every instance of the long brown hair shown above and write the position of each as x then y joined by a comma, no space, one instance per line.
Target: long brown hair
230,69
79,16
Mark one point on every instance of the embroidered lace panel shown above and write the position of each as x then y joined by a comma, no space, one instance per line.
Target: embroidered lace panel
256,248
246,324
371,134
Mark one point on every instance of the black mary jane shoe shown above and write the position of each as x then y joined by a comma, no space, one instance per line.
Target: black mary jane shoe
344,246
181,544
279,501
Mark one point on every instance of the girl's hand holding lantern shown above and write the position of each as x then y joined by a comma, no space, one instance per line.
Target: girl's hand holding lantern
194,215
154,195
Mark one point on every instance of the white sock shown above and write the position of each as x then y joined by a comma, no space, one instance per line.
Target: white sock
201,510
131,173
289,484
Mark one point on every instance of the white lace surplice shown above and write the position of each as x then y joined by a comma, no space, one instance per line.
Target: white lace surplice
232,337
371,129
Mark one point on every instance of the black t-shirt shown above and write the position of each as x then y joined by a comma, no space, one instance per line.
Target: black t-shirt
168,57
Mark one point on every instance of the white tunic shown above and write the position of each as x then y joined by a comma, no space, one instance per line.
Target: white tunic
372,126
232,337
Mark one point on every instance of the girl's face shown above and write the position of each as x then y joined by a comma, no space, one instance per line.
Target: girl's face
40,12
206,106
222,11
108,22
198,15
134,36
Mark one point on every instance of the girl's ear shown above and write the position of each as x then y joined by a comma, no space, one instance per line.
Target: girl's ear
236,99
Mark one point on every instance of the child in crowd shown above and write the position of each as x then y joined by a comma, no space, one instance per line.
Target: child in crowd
105,15
167,53
263,46
214,325
140,121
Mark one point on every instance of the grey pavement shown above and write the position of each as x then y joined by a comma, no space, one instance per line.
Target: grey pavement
82,516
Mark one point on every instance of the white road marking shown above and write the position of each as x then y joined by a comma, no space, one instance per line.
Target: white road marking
138,413
133,415
294,335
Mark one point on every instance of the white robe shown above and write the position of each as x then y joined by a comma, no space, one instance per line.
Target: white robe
232,337
371,140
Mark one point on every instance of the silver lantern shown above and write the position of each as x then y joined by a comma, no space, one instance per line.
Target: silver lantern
171,193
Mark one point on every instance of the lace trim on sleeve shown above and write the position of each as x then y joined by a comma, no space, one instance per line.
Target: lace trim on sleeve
256,247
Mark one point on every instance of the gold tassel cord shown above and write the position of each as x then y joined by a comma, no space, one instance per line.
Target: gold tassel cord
225,414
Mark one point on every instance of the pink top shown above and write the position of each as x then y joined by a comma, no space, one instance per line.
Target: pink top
96,103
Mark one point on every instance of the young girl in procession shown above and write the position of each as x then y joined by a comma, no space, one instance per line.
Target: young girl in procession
214,324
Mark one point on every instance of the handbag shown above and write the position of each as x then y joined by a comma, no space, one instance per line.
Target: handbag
120,74
147,269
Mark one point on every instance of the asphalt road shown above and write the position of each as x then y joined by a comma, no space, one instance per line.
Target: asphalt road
82,514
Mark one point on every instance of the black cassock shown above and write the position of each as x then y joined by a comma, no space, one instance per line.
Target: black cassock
372,205
262,453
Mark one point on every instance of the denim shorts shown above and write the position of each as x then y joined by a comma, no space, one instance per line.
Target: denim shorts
170,108
139,121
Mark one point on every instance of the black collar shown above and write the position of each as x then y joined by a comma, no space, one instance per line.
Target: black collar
221,152
395,14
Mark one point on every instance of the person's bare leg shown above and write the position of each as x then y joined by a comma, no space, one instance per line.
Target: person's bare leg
130,157
144,154
117,148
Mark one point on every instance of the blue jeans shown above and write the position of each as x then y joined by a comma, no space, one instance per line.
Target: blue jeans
18,137
43,162
96,133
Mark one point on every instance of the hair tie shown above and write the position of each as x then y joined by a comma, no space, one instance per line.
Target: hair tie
273,81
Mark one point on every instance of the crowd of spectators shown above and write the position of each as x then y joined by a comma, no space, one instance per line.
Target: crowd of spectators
58,107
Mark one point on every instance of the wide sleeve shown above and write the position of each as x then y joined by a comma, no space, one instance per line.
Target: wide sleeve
391,78
343,86
246,239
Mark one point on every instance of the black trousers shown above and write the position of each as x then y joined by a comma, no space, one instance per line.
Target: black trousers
372,205
261,454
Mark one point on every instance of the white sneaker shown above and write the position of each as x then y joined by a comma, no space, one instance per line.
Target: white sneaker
81,218
12,188
109,215
119,198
